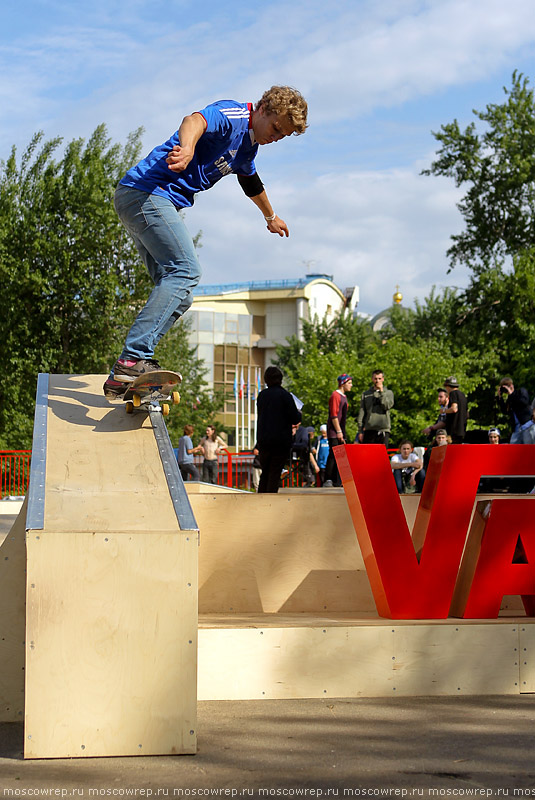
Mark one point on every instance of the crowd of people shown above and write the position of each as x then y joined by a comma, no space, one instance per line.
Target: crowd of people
285,444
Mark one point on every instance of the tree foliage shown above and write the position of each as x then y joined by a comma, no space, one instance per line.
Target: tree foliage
497,165
415,366
198,404
72,280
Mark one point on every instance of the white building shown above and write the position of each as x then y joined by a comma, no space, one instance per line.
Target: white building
236,327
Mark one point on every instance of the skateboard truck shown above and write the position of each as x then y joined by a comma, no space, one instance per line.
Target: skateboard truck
148,391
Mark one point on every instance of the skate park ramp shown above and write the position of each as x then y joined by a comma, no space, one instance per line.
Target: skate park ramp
103,468
108,604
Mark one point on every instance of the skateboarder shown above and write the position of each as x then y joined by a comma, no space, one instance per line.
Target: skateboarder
218,140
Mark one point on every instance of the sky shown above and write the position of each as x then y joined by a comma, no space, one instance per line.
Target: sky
379,77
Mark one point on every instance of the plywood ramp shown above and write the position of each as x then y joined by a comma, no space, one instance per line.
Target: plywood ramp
111,606
287,612
13,620
296,656
294,552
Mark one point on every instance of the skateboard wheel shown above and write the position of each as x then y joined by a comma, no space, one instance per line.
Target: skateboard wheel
136,400
165,409
129,407
175,398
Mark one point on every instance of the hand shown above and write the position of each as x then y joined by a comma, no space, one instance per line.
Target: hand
279,226
179,158
427,431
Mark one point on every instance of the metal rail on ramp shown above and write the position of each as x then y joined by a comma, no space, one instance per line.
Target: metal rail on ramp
177,490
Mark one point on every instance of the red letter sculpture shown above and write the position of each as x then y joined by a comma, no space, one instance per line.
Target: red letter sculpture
414,578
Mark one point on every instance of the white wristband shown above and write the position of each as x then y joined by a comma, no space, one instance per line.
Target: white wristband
270,219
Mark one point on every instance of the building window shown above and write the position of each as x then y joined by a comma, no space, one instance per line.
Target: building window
259,326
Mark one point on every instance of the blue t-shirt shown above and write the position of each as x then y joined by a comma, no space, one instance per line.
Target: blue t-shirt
227,146
185,444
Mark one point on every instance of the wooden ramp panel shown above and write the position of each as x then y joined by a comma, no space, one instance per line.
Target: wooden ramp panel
287,612
13,620
111,611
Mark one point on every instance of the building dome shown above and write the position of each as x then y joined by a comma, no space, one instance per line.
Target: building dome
397,297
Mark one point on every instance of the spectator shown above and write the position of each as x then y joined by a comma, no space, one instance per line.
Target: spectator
336,427
493,484
277,413
211,444
441,439
456,411
185,455
516,403
494,436
321,454
374,414
302,453
257,468
408,469
441,419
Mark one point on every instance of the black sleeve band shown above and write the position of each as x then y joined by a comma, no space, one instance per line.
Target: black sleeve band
251,184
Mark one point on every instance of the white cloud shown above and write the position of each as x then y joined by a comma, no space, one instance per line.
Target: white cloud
125,65
376,229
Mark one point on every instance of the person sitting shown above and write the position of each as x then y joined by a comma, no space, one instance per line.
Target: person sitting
408,469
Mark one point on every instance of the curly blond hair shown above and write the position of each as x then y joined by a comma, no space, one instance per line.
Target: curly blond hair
287,102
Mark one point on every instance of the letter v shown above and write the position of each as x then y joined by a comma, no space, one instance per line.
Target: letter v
403,585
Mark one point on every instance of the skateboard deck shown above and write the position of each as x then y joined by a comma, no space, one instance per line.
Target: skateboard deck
148,391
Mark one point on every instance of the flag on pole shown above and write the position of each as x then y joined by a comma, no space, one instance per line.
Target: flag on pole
242,384
236,405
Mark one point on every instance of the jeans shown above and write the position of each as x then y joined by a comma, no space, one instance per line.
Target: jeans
376,437
187,468
526,436
398,477
209,470
167,250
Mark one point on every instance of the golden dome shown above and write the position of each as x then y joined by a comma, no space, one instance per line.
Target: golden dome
397,296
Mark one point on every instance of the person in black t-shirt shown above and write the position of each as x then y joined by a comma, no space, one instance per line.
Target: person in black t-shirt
277,412
456,412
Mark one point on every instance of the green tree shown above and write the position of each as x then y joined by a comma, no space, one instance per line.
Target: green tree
497,165
72,280
198,403
311,365
414,368
70,276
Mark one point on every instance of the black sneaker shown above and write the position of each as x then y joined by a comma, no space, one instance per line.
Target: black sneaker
114,390
127,371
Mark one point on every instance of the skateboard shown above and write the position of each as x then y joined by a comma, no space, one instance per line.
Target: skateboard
147,391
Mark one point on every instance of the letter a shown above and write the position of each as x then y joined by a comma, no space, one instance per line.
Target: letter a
405,586
495,573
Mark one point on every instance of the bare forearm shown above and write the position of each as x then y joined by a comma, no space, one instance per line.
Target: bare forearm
274,223
191,129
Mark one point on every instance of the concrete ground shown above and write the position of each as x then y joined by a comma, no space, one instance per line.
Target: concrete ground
445,746
366,747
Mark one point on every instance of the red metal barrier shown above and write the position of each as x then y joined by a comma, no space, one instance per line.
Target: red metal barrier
14,472
235,471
